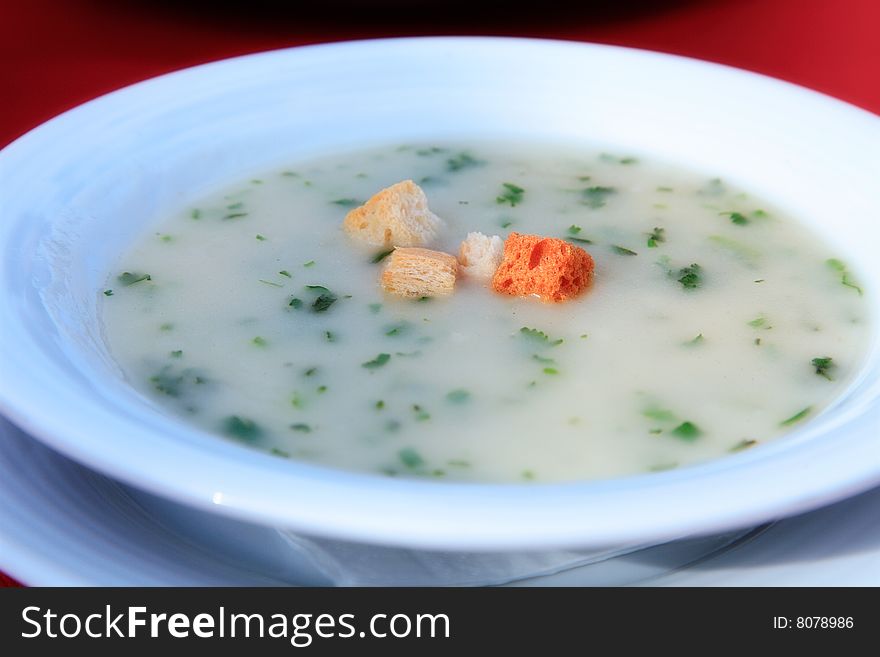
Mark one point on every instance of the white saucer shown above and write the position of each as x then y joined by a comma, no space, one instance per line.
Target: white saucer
62,524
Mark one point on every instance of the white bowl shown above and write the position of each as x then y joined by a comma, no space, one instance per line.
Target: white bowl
78,189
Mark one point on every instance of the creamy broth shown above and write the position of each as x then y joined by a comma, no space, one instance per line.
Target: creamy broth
658,365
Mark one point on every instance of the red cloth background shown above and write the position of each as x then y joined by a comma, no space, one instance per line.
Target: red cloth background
57,54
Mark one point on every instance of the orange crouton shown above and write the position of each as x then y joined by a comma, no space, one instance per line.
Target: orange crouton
549,268
396,216
413,272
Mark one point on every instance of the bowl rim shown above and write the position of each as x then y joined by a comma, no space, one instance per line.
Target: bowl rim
436,515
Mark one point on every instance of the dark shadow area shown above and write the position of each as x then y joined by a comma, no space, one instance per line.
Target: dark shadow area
460,16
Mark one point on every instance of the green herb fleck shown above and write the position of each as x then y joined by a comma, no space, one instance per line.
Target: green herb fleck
690,277
737,218
262,280
295,303
329,336
421,414
528,475
128,278
241,428
297,401
550,370
321,390
620,250
375,307
539,336
310,263
177,353
696,341
760,322
284,272
687,431
396,329
196,214
823,366
410,458
512,194
235,206
168,326
845,277
579,240
458,396
797,417
743,444
665,189
659,414
347,202
596,197
108,293
541,359
379,257
261,238
463,161
380,405
506,223
574,230
378,361
235,215
302,427
259,341
323,302
310,371
280,452
655,237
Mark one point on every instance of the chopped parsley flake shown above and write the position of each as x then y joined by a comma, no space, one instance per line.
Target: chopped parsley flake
259,341
284,272
380,405
310,263
347,202
545,361
797,417
396,329
505,223
539,336
620,250
301,427
687,431
379,257
177,353
690,277
235,215
655,237
196,214
743,444
262,280
550,370
760,322
696,341
421,414
512,194
128,278
596,197
108,293
845,277
458,396
329,336
241,428
737,218
574,230
375,307
295,303
463,161
378,361
410,458
261,238
280,452
823,366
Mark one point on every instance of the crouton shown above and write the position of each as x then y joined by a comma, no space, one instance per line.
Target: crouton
549,268
414,272
396,216
480,255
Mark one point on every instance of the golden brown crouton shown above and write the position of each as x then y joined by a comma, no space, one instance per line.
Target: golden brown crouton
547,267
413,272
396,216
480,255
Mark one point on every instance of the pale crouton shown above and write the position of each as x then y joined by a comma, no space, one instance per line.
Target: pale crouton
414,273
480,255
396,216
546,267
